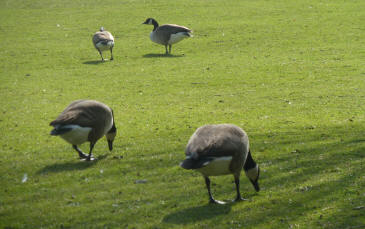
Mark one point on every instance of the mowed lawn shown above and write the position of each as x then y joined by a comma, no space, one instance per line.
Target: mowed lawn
290,73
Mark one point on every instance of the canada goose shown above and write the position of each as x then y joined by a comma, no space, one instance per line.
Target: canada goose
167,34
85,120
222,149
103,40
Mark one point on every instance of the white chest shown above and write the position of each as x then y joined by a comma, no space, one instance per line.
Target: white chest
216,167
154,38
77,135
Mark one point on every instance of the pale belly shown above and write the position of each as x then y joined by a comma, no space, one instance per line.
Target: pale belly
174,38
77,135
103,47
217,167
155,39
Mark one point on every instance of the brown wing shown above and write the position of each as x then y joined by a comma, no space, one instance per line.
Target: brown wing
216,140
102,36
84,113
168,29
174,28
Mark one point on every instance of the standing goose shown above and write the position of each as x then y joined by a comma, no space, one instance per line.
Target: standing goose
167,34
85,120
222,149
103,40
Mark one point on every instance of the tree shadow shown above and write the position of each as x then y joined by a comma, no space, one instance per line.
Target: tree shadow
94,62
315,173
156,55
70,166
199,213
306,200
317,167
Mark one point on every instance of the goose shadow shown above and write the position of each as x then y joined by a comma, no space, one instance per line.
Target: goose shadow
94,62
70,166
155,55
195,214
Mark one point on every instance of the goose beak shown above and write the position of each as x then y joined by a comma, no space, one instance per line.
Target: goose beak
110,144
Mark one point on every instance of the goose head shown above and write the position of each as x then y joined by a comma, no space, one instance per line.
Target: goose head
110,136
149,21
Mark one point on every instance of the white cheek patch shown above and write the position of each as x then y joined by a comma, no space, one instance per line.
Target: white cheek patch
110,136
253,173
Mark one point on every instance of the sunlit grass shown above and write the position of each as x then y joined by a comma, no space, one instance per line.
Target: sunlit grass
290,73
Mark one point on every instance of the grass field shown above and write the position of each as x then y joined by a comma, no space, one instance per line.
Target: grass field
290,73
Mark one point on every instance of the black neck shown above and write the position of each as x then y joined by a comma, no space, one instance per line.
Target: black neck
155,25
250,163
113,129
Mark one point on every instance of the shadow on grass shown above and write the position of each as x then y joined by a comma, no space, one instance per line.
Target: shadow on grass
315,174
94,62
155,55
70,166
199,213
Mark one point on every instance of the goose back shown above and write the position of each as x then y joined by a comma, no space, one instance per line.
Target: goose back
103,38
163,33
87,113
224,140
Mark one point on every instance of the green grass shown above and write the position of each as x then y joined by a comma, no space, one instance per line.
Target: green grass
291,73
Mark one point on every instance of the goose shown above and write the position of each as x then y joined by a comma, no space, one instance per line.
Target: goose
85,120
167,34
222,149
103,40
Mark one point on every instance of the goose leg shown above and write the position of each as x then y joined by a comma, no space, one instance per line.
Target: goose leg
166,50
102,58
81,154
90,156
237,181
111,53
211,199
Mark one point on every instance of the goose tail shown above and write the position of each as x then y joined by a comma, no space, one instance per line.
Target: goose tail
191,163
59,130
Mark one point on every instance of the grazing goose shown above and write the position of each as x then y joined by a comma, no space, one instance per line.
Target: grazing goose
85,120
103,40
167,34
216,150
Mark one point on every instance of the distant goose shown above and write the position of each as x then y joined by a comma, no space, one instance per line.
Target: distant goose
103,40
85,120
167,34
222,149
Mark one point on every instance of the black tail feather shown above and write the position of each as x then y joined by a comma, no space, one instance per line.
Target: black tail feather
191,163
60,130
